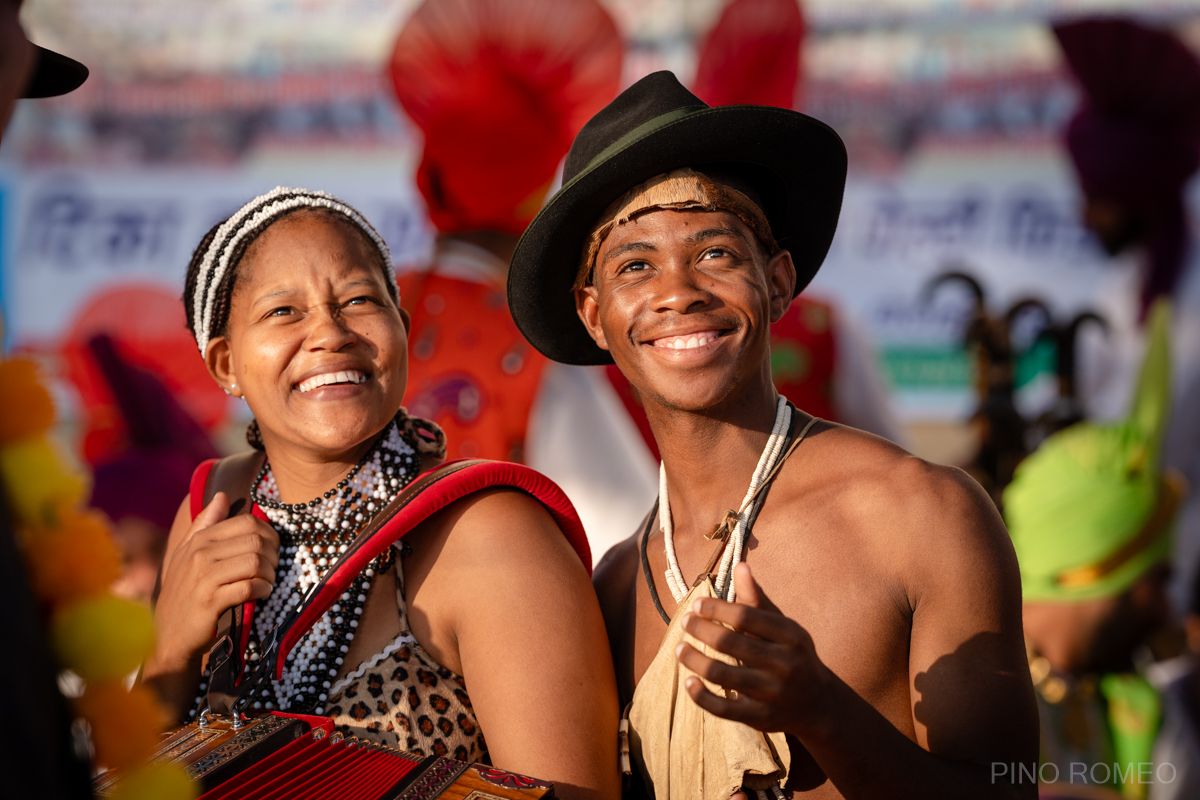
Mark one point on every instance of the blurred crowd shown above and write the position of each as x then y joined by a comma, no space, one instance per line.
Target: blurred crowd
1103,507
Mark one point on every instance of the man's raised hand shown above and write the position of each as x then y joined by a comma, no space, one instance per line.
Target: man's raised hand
778,680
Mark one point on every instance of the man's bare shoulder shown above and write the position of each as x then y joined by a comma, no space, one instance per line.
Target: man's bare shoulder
869,475
500,532
892,500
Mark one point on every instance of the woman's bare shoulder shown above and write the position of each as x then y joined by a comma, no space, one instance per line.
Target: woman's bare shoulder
502,528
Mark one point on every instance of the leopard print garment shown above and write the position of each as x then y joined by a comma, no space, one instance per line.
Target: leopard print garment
401,697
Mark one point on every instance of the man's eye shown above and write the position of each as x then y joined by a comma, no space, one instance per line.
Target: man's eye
360,301
716,252
635,266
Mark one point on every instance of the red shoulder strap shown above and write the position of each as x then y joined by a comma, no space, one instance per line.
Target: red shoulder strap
196,490
234,476
425,496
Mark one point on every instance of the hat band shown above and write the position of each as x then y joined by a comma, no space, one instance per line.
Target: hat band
645,129
1170,493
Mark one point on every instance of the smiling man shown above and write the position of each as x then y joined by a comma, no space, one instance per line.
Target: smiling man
873,632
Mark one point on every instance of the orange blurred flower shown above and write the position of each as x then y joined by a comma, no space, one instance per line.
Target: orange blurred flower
75,558
156,782
72,561
126,725
25,406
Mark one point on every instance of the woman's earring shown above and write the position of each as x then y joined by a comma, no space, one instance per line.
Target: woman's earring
232,387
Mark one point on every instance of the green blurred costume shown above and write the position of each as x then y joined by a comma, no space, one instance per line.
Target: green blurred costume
1089,514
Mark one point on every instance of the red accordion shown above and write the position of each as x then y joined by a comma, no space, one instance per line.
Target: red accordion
237,756
297,756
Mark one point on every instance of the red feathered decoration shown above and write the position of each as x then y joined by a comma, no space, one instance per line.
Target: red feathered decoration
500,88
752,55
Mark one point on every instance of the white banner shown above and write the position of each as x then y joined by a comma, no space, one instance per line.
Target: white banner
1009,219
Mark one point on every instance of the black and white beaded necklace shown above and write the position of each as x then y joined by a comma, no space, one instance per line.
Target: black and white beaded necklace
312,536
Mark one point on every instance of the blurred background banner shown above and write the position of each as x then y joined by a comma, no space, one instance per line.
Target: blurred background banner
950,110
75,232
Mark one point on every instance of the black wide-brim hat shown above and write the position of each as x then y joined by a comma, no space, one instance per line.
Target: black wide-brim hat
54,74
792,165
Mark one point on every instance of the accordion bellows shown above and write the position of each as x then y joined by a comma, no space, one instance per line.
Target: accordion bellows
293,756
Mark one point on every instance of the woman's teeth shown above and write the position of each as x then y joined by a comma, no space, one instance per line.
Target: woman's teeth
347,376
688,342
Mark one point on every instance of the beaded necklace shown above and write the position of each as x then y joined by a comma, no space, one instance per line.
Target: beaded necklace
737,539
311,538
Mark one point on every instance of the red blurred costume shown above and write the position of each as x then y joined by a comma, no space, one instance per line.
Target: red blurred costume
499,88
470,369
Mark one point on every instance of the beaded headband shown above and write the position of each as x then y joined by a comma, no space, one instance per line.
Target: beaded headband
252,217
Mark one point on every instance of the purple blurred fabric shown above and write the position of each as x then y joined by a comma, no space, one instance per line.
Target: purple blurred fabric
151,477
1135,139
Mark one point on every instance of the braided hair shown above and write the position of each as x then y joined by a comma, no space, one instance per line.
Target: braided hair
213,270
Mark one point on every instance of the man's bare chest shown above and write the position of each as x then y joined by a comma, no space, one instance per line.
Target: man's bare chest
849,603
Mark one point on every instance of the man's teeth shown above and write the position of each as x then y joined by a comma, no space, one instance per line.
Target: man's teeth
689,342
346,376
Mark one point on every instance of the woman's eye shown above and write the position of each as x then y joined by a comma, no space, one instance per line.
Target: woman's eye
635,266
282,311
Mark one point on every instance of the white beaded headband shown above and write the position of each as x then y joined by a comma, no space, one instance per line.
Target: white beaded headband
253,217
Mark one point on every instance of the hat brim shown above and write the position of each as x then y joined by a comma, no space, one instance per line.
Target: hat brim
806,157
54,74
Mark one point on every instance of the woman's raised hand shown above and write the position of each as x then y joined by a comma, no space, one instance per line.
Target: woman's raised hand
219,562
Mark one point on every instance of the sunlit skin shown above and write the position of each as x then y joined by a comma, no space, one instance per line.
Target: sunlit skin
494,591
878,616
1099,635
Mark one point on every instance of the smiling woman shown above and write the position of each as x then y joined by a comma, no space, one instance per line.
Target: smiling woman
294,308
